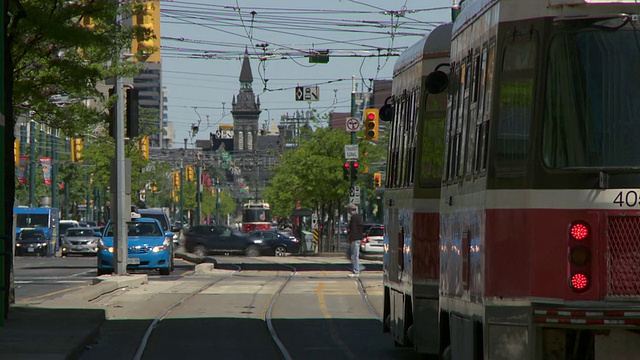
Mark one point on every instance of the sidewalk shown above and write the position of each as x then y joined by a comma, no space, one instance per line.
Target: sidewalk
59,328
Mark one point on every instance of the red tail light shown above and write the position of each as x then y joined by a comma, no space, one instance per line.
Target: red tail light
579,231
579,282
579,256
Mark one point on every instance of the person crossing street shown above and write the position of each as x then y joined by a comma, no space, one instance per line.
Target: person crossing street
355,237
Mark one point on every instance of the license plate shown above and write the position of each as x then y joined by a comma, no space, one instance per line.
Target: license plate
31,249
133,261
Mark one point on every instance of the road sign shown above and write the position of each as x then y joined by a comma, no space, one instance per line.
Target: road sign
353,124
351,152
354,195
307,93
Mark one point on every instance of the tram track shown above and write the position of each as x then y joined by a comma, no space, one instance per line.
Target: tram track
261,284
267,313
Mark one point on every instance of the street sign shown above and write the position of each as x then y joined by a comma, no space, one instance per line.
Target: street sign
354,195
351,152
307,93
353,124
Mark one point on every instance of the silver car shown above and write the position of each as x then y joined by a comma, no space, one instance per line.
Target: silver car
80,240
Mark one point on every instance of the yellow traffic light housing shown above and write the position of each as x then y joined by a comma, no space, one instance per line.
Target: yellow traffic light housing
377,180
76,149
176,179
143,146
371,124
190,173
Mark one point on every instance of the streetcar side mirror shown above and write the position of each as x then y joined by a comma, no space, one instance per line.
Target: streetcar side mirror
437,82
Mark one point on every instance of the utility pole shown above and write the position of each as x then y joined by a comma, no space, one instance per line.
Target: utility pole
353,114
54,169
32,162
198,192
182,191
119,185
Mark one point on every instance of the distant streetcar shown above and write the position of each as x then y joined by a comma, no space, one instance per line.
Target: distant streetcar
539,209
414,172
256,215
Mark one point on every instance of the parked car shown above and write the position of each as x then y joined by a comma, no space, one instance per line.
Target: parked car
80,240
276,243
203,240
32,241
367,226
149,249
373,241
163,219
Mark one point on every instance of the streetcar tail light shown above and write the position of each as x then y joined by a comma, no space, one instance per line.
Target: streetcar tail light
579,282
579,230
579,256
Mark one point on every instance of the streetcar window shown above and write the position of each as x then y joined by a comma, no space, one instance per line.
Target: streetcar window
516,103
592,99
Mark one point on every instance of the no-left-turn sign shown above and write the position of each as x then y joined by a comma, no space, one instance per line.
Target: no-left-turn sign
353,124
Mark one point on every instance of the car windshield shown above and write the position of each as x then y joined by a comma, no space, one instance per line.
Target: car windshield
79,232
32,220
138,229
376,232
32,234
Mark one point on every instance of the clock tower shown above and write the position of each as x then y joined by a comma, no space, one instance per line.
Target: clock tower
245,109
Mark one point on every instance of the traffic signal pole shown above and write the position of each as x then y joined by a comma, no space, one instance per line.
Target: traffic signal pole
353,114
120,217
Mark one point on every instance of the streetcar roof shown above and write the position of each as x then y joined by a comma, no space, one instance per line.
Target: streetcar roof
436,42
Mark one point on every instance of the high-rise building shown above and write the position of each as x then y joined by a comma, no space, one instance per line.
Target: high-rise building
149,81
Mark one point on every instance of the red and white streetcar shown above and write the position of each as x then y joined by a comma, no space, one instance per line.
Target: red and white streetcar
256,215
539,234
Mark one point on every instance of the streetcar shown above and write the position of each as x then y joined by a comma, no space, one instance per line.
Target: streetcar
256,215
411,215
539,221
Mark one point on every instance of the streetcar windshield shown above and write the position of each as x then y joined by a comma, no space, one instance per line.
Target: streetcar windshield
255,215
592,99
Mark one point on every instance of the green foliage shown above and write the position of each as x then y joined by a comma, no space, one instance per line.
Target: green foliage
312,174
208,206
57,61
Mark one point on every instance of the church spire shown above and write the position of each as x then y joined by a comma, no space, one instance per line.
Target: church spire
246,77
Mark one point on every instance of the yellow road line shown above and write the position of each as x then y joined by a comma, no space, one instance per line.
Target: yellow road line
50,294
332,328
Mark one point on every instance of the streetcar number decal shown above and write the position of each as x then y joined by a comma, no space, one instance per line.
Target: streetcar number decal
628,198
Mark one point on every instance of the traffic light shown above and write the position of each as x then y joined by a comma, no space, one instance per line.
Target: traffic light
143,146
176,179
76,149
377,180
354,171
371,121
190,173
133,114
345,170
16,151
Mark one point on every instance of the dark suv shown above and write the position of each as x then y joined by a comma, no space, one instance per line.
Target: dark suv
202,240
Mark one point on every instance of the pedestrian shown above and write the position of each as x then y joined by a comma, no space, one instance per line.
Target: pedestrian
355,237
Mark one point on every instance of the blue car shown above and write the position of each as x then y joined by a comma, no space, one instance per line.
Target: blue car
149,248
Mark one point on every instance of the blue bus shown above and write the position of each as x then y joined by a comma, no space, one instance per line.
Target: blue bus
46,219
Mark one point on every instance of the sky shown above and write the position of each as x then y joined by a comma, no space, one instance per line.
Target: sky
202,47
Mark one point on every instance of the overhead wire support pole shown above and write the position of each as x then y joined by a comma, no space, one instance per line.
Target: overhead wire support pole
120,240
353,114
